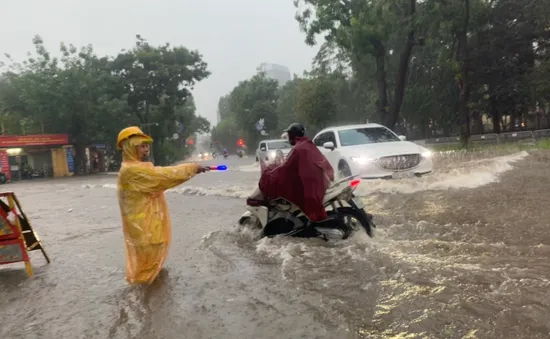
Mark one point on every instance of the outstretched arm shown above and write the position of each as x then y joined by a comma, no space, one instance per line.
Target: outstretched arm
158,178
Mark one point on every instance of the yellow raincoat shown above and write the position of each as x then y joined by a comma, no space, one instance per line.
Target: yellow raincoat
145,218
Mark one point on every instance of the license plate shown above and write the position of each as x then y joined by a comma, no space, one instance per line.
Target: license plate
358,203
402,175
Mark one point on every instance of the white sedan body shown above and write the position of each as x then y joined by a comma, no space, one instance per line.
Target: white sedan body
372,151
267,149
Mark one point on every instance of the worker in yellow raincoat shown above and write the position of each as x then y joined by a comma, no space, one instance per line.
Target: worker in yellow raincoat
145,218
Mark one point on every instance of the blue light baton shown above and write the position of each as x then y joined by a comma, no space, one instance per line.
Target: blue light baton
218,168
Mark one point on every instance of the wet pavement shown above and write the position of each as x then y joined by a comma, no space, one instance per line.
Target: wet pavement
462,253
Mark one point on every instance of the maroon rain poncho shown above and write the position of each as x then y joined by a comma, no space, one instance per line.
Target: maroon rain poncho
302,179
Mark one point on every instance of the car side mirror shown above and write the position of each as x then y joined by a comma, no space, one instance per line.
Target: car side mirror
402,138
329,145
262,149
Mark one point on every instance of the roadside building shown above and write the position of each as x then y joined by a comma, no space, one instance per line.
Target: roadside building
36,155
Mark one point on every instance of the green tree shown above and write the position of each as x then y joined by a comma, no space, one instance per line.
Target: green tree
223,107
156,81
316,104
225,134
91,98
366,32
252,100
286,104
69,95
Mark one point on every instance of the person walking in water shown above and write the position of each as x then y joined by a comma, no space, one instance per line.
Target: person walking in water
143,207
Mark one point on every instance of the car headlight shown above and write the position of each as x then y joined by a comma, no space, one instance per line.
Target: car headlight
361,160
427,154
272,154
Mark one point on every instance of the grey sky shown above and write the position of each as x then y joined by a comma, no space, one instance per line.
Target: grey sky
234,36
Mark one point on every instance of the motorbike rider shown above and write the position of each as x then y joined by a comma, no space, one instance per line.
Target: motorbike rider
303,178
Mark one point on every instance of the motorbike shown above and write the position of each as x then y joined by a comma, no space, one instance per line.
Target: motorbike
240,153
280,216
225,155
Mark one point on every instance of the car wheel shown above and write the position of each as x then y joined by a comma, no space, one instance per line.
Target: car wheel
257,160
343,170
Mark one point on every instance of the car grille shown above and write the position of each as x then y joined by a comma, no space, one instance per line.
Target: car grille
399,162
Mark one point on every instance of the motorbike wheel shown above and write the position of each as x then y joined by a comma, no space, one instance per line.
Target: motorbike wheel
250,222
349,214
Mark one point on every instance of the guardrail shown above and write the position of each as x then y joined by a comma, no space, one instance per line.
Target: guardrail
492,138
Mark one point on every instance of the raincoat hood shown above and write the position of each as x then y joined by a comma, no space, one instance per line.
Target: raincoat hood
129,148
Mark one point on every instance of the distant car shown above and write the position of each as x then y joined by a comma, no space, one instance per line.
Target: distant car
372,151
268,149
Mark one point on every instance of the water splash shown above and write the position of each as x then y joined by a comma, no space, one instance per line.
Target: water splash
461,174
468,174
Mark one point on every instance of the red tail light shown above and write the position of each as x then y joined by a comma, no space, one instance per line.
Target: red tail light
355,183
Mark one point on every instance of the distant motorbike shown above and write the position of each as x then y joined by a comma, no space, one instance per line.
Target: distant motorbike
279,216
225,155
240,153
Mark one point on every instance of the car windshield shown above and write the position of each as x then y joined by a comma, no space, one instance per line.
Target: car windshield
279,144
368,135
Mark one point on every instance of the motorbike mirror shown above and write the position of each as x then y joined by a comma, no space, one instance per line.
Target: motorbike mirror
329,145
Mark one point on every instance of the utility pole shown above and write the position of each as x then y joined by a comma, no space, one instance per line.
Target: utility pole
149,124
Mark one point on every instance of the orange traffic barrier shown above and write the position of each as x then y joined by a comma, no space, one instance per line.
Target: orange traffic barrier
17,237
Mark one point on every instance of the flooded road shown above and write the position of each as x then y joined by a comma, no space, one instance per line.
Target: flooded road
462,253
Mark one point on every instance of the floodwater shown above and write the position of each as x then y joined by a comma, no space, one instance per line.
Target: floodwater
461,253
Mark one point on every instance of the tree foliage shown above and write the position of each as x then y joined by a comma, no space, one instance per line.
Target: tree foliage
92,98
450,67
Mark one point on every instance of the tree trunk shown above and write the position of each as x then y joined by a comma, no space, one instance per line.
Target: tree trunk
478,127
462,58
495,114
382,102
79,159
513,118
402,70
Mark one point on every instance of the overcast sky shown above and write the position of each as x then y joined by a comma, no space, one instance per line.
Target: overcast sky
234,36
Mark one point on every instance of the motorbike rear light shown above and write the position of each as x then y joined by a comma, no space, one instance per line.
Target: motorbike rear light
355,183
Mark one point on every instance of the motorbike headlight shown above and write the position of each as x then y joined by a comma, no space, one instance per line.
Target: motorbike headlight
427,154
361,160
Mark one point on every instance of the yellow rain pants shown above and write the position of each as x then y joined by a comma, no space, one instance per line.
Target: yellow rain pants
145,218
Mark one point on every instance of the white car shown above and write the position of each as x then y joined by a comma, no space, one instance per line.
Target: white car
267,149
372,151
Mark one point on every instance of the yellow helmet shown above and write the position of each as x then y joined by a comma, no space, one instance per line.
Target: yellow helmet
130,132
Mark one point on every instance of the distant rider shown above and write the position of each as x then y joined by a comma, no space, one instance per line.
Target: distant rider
303,178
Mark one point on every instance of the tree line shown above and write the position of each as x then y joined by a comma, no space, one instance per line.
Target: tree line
422,68
91,97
